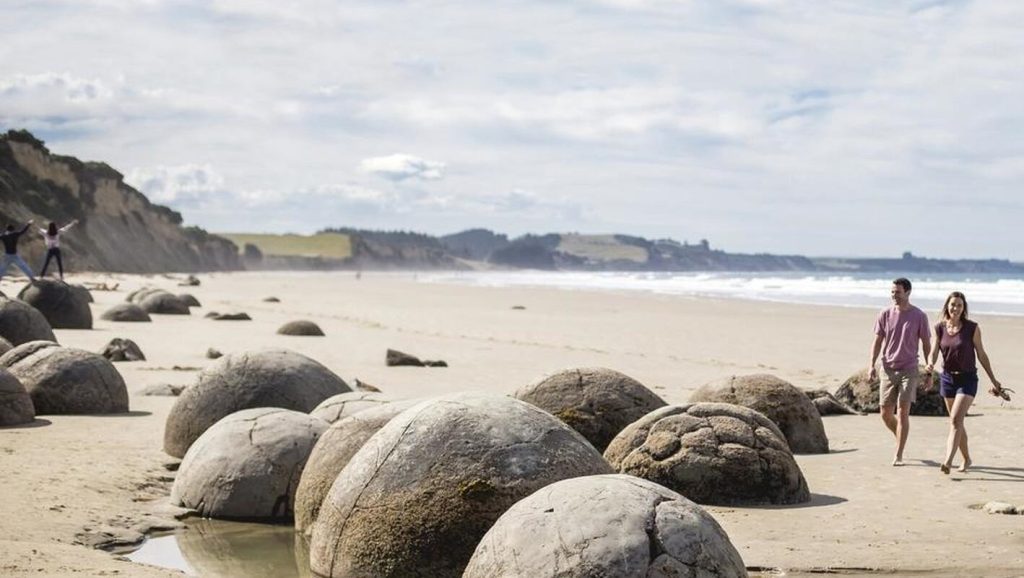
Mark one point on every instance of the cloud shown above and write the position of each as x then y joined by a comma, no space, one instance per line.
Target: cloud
400,167
181,186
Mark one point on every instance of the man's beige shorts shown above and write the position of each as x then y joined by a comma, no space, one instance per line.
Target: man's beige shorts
899,387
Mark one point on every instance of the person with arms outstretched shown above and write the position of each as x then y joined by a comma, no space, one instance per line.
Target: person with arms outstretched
10,238
52,235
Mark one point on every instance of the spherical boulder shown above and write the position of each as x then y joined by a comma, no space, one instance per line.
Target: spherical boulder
126,312
189,300
418,496
21,323
610,525
262,378
712,453
15,403
63,306
862,394
332,453
343,405
596,402
84,292
5,346
247,465
302,327
163,303
62,380
779,401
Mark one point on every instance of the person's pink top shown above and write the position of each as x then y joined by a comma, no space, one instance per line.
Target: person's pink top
902,331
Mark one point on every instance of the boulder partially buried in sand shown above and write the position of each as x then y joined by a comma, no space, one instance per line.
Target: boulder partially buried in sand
126,312
62,380
263,378
345,404
15,403
332,453
247,465
301,327
862,394
189,300
121,349
712,453
63,306
610,525
827,404
21,323
418,496
163,303
779,401
596,402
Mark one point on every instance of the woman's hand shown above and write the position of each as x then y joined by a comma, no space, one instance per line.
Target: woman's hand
996,389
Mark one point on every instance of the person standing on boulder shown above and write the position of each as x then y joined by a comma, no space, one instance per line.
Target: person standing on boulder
897,332
10,238
52,235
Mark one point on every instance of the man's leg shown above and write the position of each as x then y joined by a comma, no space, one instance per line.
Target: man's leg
902,431
6,264
889,417
888,393
24,267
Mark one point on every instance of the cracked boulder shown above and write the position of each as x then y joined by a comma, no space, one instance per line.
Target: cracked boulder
15,404
333,451
62,380
596,402
779,401
861,394
126,312
120,349
21,323
301,327
611,525
247,466
63,306
712,453
418,496
344,405
262,378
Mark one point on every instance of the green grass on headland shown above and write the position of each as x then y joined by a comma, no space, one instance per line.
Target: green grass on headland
601,248
328,245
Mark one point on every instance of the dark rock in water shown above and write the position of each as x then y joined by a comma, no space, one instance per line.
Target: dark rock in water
363,386
84,292
212,353
715,453
163,389
190,281
62,380
397,358
126,312
594,401
237,381
272,300
189,299
21,323
120,349
63,306
231,317
827,404
437,363
610,525
863,395
15,403
779,401
301,327
5,346
163,303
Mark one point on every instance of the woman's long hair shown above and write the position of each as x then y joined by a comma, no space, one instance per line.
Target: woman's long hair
945,306
52,229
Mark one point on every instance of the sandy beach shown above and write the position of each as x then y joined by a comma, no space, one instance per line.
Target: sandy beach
68,480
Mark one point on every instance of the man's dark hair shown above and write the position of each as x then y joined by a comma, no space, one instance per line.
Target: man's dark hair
9,228
903,282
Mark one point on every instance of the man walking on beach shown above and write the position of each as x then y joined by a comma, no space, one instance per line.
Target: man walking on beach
10,238
898,329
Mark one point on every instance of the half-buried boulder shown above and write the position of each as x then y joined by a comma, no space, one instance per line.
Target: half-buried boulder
610,525
139,294
15,403
126,312
862,394
332,453
345,404
163,303
712,453
62,380
779,401
120,349
63,306
827,404
21,323
189,299
418,496
247,465
301,327
263,378
596,402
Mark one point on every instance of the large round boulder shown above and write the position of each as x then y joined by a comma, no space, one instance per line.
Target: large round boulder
263,378
247,465
596,402
610,525
21,323
126,312
418,496
332,453
301,328
344,405
779,401
63,306
862,394
5,346
15,404
62,380
712,453
189,300
84,292
163,303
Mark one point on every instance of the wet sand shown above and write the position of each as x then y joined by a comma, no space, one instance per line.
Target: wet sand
72,481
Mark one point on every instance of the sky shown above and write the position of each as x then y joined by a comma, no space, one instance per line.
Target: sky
845,128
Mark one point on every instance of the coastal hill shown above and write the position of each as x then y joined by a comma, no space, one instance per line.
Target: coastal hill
119,228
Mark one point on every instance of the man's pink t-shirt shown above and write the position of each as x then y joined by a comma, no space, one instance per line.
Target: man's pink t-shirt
901,331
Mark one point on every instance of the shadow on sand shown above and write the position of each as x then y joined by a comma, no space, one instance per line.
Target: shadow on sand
32,424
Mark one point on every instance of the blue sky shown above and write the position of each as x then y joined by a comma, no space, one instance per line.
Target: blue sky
856,128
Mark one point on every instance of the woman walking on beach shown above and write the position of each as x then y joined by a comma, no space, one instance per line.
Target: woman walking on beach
52,235
959,340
